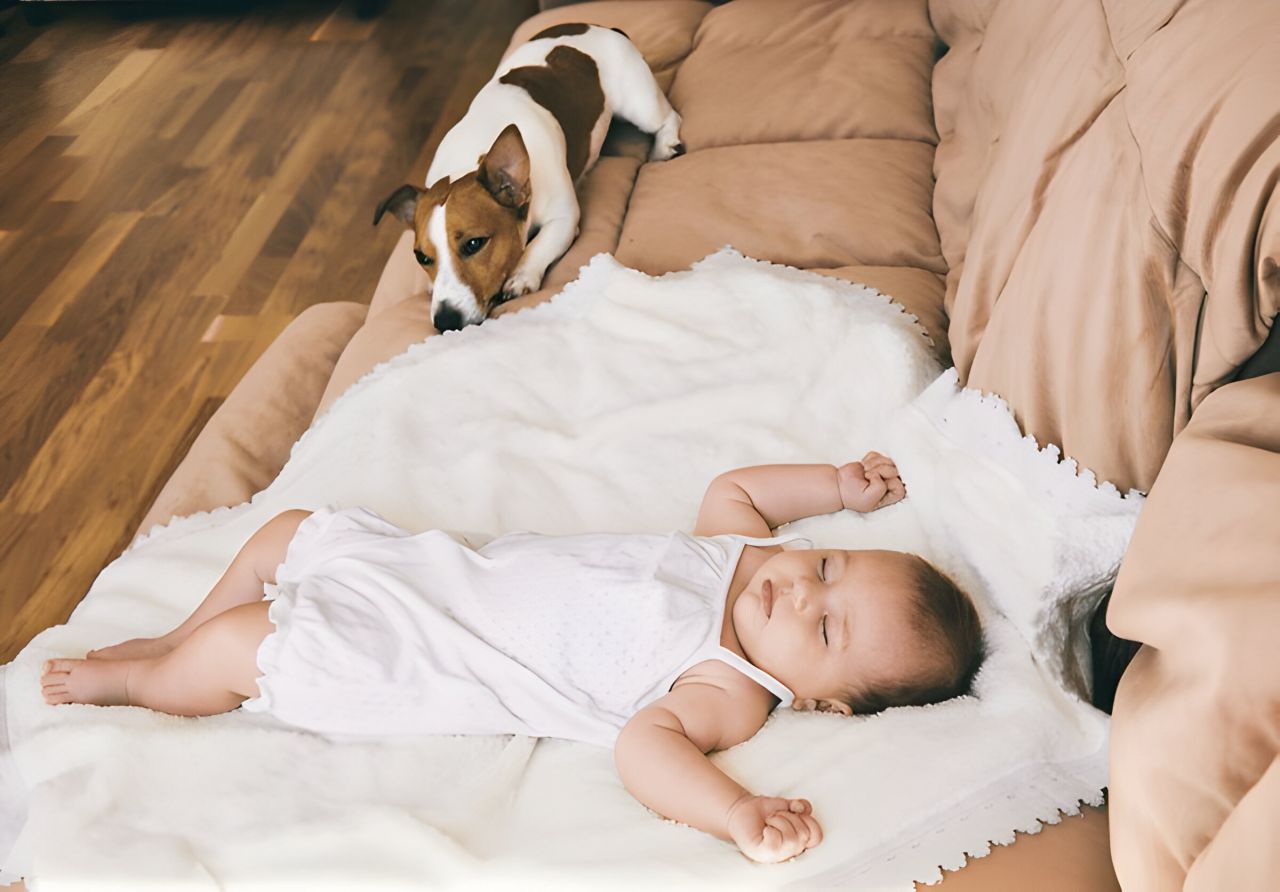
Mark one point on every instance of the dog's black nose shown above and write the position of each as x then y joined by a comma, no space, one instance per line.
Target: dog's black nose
448,319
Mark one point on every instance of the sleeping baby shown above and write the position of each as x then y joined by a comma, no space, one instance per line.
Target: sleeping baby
664,647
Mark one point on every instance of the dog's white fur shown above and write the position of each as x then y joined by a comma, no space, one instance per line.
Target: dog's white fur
449,289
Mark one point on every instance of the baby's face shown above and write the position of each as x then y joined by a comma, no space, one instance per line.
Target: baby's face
823,621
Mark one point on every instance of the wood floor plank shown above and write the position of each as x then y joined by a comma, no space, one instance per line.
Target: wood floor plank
295,103
257,225
138,373
80,270
41,172
282,249
199,105
32,48
216,141
344,26
84,335
36,95
28,263
28,355
258,326
109,90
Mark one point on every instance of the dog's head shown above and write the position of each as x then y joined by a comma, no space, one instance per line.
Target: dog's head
469,234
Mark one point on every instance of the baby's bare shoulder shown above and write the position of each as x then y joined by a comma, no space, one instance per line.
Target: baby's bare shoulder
714,690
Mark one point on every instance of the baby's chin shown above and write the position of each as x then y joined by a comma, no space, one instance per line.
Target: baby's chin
747,617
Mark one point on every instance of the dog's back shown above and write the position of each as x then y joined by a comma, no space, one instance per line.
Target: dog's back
568,78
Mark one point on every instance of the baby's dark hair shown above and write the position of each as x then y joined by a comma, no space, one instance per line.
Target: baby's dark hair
950,632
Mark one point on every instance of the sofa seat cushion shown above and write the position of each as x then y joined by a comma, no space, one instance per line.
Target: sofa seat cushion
918,290
817,204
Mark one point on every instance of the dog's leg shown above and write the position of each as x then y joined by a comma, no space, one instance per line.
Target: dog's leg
666,140
636,97
553,239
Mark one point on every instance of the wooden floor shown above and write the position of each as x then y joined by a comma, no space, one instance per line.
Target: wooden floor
174,188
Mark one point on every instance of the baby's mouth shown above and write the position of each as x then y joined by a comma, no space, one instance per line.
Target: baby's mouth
766,597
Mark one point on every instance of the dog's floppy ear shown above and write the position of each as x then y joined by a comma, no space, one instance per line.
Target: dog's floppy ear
402,204
504,169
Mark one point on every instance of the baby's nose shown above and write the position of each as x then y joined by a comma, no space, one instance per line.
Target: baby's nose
800,597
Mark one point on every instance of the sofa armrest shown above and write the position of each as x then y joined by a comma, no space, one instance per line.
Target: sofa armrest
248,439
1196,724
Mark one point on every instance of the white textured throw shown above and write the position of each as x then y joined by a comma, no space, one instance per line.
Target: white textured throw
608,409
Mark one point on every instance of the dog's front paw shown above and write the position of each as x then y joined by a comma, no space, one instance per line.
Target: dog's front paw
519,284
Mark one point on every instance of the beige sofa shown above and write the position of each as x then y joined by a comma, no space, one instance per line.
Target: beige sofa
1078,201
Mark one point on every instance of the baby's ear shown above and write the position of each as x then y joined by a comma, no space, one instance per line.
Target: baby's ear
822,706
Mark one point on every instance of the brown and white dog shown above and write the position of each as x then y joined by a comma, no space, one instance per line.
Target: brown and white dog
500,206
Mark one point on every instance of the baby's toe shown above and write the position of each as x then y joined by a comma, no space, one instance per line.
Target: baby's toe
56,673
55,694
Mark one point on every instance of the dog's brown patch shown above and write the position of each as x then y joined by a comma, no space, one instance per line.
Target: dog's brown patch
568,29
568,86
423,250
472,212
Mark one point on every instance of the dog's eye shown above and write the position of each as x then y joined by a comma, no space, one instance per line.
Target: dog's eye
422,258
472,245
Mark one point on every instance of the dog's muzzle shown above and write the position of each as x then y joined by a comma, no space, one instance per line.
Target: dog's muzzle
448,319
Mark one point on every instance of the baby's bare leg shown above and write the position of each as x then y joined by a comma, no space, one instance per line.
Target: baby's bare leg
242,583
213,670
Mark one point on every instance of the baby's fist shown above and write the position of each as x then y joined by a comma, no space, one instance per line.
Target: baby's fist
768,829
870,484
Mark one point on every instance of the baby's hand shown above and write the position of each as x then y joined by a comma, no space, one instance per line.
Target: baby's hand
870,484
768,829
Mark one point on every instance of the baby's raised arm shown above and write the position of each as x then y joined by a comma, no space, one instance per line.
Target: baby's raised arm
661,757
752,501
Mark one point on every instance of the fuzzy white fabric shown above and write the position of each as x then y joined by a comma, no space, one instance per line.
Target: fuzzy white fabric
609,409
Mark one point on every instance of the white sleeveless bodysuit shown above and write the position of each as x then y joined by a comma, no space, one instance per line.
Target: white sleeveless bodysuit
381,632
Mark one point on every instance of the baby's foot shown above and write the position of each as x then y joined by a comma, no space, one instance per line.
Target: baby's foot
133,649
101,682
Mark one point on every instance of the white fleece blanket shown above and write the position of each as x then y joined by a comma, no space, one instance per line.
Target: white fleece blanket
609,408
